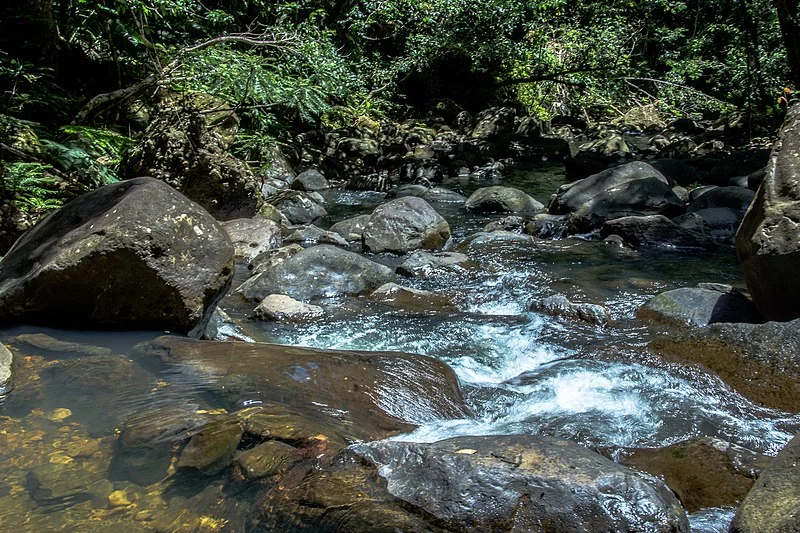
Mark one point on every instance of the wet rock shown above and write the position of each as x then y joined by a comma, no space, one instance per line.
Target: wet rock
299,207
547,226
474,243
558,305
186,146
704,472
512,223
644,118
497,483
678,171
499,199
736,198
655,231
317,272
374,394
272,258
6,364
96,375
404,225
760,361
252,236
633,189
282,308
131,254
309,181
768,242
222,327
352,229
314,235
413,301
424,264
47,343
773,504
147,440
611,146
211,448
719,223
429,194
699,306
267,459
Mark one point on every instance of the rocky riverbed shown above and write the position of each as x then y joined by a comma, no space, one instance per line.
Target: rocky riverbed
483,350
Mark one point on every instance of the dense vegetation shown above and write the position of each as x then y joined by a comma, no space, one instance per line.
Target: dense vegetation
73,72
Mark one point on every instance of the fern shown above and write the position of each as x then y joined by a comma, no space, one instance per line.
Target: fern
31,187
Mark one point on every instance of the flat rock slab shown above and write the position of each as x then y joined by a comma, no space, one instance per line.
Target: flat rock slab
378,393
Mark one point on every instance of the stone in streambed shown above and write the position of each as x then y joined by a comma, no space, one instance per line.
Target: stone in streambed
404,225
267,459
494,483
48,343
352,229
313,235
699,306
317,272
131,254
279,307
6,364
499,199
211,448
773,504
655,231
558,305
412,301
252,236
424,264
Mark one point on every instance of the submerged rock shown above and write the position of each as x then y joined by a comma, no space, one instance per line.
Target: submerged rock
412,301
211,448
375,393
317,272
267,459
131,254
6,365
424,264
773,504
700,306
768,241
495,483
404,225
48,343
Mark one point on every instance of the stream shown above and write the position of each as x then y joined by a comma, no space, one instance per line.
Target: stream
522,372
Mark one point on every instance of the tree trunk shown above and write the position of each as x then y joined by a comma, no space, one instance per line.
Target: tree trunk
790,29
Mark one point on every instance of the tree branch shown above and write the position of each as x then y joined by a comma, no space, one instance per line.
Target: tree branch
554,77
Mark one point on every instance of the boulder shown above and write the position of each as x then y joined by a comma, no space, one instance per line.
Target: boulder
280,307
132,254
187,145
699,306
633,189
299,207
6,363
267,459
611,146
211,448
309,181
655,231
499,199
425,264
375,394
678,171
252,236
559,305
317,272
495,483
493,123
719,223
760,361
512,223
404,225
429,194
46,343
703,472
313,235
732,197
768,241
352,229
773,504
411,301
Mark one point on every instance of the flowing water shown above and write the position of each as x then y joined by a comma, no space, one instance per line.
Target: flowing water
521,371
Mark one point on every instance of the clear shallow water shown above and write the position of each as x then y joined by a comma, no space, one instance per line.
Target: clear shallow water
522,372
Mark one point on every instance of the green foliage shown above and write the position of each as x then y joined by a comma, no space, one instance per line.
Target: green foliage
31,187
29,89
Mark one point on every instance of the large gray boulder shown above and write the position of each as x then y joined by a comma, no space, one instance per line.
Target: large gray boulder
773,504
494,483
655,231
131,254
633,189
404,225
499,199
768,241
699,306
318,272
